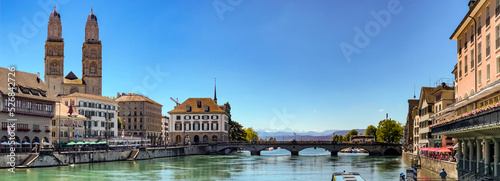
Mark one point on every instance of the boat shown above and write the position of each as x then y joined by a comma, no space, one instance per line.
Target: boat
347,176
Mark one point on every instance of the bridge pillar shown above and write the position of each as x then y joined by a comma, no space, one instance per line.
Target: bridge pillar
254,152
334,153
295,153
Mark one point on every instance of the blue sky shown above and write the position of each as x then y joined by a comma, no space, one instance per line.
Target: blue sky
278,63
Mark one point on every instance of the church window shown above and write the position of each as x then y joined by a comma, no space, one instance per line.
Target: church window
93,54
53,67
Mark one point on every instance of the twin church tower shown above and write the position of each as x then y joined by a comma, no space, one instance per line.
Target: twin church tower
91,81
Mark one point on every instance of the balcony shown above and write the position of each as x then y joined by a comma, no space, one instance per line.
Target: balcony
484,123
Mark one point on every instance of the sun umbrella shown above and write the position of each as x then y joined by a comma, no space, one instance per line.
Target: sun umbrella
80,143
45,143
26,143
4,143
71,143
17,143
36,143
445,150
102,142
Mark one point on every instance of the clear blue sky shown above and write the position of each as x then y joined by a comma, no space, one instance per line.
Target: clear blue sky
279,63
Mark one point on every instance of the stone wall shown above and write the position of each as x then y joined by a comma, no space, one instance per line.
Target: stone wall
435,165
56,159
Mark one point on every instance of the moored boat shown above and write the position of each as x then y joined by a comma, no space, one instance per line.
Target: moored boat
347,176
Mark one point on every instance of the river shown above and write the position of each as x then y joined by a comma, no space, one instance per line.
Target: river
311,164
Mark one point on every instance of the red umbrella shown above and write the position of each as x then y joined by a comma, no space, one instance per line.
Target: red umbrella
445,150
424,149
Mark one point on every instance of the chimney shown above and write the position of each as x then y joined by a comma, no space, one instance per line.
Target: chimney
471,4
117,95
38,77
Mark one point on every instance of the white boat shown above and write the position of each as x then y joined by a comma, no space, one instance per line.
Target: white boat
347,176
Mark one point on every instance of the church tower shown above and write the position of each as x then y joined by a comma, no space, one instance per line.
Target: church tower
54,54
91,57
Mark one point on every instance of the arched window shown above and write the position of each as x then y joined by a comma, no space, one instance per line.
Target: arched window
93,54
53,67
93,68
73,90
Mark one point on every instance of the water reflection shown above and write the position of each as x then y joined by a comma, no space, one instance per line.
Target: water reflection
312,164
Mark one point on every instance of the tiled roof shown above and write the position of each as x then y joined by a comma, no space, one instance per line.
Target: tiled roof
136,98
427,93
71,76
28,81
89,96
181,109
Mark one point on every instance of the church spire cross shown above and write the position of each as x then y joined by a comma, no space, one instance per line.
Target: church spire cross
54,7
215,91
91,9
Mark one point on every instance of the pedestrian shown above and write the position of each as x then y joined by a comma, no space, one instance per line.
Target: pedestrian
443,174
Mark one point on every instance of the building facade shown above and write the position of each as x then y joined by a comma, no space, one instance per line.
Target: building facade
408,132
33,109
101,113
91,82
164,128
475,124
141,116
67,127
198,120
425,110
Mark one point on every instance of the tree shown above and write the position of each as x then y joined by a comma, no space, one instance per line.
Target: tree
335,138
251,135
120,124
389,130
371,130
340,138
237,133
353,132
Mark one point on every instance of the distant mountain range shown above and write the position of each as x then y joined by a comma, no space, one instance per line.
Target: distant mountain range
309,135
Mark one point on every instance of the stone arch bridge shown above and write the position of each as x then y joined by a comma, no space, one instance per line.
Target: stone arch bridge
295,147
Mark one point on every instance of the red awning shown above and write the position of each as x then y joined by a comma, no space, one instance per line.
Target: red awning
424,149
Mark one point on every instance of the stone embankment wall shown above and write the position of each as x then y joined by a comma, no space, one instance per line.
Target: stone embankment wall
435,165
56,159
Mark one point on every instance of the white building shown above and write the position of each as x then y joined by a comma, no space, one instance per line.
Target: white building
100,111
164,127
198,120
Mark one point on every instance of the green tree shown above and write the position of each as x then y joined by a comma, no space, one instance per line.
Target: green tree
335,138
340,138
120,124
371,130
353,132
389,130
251,135
347,136
237,133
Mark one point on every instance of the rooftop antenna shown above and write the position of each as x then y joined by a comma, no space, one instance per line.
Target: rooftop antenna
215,91
414,96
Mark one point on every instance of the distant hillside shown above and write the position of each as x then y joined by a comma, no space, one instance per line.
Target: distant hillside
310,135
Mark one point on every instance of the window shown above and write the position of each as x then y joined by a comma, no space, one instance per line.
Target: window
479,77
207,109
196,117
465,65
488,16
28,105
465,43
205,117
198,103
178,126
178,117
498,65
39,107
129,121
188,108
102,124
487,45
215,117
472,59
187,117
460,69
479,50
487,72
497,40
478,25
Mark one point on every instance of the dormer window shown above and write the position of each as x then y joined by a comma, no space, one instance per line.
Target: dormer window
198,103
207,109
188,108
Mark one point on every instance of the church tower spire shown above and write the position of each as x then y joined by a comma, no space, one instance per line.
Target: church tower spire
215,91
54,54
92,57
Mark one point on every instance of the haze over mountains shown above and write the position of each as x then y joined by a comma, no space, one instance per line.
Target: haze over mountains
287,135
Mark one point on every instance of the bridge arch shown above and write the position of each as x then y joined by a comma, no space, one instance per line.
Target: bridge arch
391,151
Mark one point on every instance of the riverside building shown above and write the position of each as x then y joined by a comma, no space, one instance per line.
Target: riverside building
141,117
34,108
476,122
199,120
